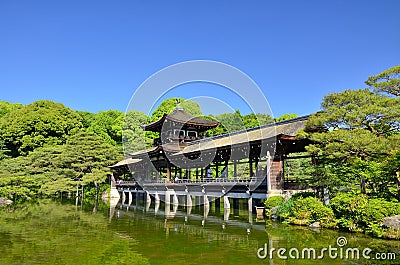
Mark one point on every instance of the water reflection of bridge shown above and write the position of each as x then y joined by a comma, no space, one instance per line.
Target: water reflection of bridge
195,224
209,222
217,193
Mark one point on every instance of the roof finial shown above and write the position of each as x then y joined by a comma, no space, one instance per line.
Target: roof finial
178,101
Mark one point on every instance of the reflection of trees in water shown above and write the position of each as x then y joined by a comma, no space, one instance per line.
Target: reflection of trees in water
51,233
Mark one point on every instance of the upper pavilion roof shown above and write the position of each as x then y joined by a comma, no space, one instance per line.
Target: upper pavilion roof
181,117
286,130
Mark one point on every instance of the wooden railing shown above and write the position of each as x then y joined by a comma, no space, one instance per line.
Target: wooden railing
203,180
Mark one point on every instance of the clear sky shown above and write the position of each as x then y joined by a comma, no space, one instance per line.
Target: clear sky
92,55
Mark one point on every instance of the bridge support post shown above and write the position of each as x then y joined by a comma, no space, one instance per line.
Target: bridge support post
206,201
157,198
129,198
148,201
123,197
167,197
189,200
175,199
206,207
227,211
250,206
227,204
268,177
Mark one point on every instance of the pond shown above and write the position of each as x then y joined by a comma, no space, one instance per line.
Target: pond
54,232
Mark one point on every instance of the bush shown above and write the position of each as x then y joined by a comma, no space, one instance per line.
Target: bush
309,210
273,201
357,212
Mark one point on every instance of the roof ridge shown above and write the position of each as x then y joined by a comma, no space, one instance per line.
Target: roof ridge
305,117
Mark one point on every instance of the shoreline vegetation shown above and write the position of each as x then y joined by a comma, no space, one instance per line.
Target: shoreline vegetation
349,212
49,150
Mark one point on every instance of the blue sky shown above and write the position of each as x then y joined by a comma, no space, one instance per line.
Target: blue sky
92,55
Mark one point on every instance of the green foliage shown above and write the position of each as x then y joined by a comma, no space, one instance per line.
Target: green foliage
273,201
40,123
231,122
18,187
310,209
47,233
6,107
168,105
353,135
286,116
83,160
254,120
87,118
108,125
133,135
285,208
303,209
357,212
388,81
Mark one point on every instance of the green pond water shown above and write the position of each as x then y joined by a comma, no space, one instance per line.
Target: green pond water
54,232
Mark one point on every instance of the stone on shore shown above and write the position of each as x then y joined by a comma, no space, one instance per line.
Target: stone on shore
392,222
315,225
4,202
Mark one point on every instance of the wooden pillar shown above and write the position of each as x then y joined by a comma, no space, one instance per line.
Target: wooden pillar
268,176
226,169
216,170
180,173
256,165
168,171
251,165
234,169
197,173
202,173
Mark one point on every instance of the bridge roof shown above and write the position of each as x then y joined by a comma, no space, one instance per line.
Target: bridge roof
287,129
126,161
181,117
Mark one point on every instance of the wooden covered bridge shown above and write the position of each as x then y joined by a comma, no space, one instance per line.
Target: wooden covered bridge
181,166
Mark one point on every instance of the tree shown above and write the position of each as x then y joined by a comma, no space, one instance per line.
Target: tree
231,122
133,135
6,107
387,82
37,124
254,120
83,160
168,105
286,116
108,125
361,129
87,118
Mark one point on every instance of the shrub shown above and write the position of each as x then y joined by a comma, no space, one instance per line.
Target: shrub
357,212
285,209
309,210
273,201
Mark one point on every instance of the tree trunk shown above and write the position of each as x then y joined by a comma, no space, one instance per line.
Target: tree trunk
362,185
